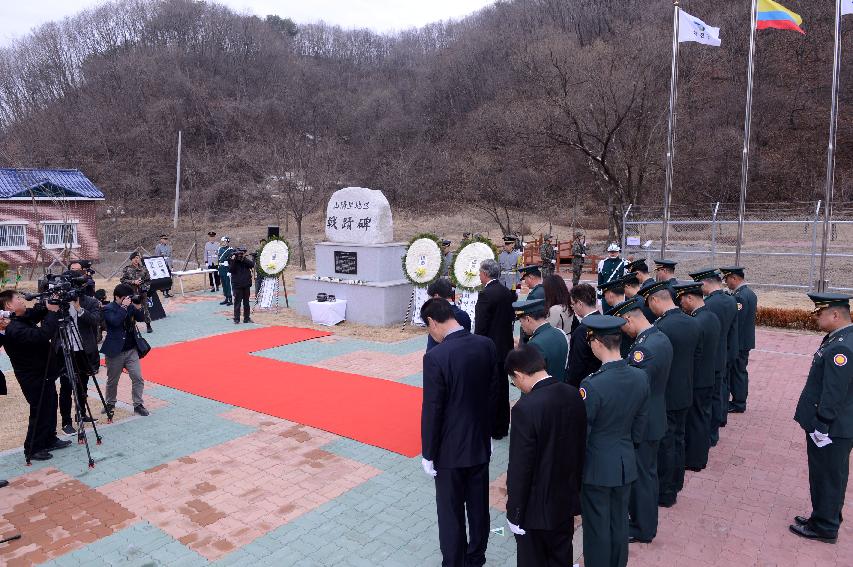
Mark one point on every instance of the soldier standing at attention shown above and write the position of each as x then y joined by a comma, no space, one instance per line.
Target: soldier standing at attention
610,269
698,430
641,268
665,271
211,248
617,403
223,258
825,412
508,260
136,276
447,264
724,307
532,278
747,306
551,342
684,334
614,293
651,352
548,256
578,257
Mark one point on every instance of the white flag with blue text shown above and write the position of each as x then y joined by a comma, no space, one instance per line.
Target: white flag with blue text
691,28
846,7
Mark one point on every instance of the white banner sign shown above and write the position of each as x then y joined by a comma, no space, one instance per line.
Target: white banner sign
157,268
420,298
268,293
467,301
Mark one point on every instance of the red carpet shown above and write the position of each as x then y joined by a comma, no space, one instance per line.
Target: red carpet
369,410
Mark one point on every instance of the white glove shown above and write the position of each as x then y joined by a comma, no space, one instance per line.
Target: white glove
515,529
428,467
553,261
820,439
491,446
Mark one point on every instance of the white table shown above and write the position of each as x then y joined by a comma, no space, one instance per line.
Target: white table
180,275
328,313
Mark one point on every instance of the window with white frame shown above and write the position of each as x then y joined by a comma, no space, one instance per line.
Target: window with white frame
13,236
59,234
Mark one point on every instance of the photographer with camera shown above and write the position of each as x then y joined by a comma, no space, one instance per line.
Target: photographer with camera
136,276
85,314
120,346
36,367
85,269
241,282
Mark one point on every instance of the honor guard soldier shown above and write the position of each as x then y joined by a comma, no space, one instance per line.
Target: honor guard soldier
551,342
531,276
825,412
610,269
698,429
578,257
617,400
447,264
223,259
651,352
747,307
724,307
508,260
548,256
684,334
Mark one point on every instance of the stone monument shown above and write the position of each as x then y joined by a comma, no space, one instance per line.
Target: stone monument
359,262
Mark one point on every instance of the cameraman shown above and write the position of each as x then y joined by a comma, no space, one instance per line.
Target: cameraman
136,276
241,283
36,368
85,315
85,269
120,348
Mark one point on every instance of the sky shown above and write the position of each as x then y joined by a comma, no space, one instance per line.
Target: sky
18,18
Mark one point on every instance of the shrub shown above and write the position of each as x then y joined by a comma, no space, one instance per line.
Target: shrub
783,318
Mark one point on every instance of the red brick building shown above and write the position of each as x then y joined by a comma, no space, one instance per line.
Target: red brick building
47,215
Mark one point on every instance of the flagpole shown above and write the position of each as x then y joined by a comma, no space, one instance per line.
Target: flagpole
830,153
670,139
747,131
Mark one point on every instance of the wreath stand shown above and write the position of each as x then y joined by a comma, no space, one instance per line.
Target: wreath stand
408,316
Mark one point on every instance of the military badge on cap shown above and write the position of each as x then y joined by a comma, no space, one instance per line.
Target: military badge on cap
839,360
583,393
638,356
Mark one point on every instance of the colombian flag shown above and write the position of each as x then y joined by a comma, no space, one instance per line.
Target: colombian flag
774,15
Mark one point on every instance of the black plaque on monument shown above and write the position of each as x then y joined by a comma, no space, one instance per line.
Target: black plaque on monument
346,262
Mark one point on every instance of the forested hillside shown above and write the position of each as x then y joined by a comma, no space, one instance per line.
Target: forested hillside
527,104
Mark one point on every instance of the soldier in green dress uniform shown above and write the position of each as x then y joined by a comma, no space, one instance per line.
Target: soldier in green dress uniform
617,404
651,352
684,333
724,307
641,268
548,256
613,293
747,307
223,258
825,412
665,271
698,428
551,342
532,278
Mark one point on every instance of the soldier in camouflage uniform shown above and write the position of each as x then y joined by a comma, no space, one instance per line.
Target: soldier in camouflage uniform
549,257
136,276
578,255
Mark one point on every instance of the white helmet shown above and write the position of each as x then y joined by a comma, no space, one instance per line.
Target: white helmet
614,248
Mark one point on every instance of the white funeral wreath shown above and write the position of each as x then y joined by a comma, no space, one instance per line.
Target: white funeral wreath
274,257
423,260
466,267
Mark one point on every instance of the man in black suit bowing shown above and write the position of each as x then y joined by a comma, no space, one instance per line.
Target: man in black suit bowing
547,446
459,380
582,362
494,317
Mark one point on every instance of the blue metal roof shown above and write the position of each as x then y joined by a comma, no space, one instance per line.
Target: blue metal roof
56,183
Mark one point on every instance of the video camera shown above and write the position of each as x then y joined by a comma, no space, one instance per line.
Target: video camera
59,289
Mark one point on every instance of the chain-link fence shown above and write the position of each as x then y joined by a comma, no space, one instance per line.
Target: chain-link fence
781,244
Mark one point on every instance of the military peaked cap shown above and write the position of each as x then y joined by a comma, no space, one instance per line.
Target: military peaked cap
529,307
824,300
625,307
601,325
705,274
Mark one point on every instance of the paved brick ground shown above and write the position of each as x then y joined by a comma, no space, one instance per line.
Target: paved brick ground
200,482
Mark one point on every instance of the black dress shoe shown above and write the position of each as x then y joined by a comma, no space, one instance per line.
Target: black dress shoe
801,520
248,321
108,408
666,503
59,444
808,533
224,302
633,539
4,483
140,410
733,409
694,469
41,456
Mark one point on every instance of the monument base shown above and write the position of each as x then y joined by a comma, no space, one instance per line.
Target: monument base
377,304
